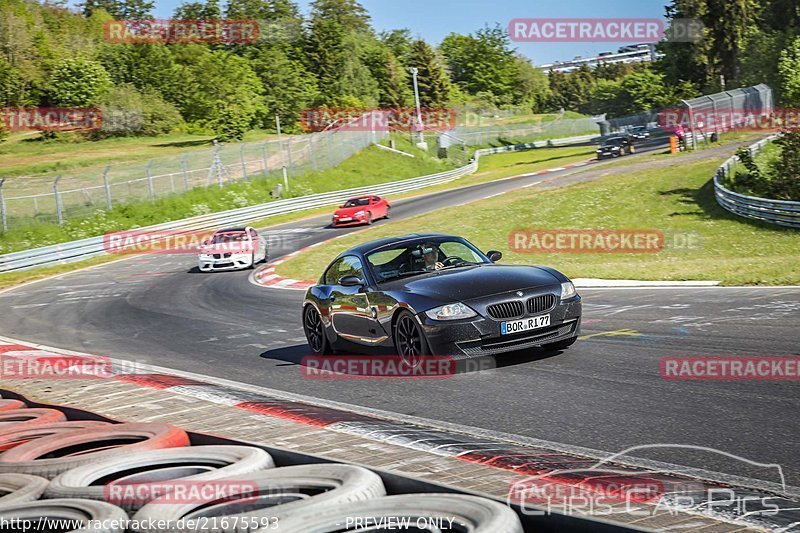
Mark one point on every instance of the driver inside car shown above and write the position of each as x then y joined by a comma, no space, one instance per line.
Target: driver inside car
431,254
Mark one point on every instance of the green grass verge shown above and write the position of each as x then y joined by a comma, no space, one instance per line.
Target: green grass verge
677,199
370,166
26,154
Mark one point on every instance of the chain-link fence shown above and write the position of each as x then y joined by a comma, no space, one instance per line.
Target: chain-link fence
58,197
547,127
736,107
706,116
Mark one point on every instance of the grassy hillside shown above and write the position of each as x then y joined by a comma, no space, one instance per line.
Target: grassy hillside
703,242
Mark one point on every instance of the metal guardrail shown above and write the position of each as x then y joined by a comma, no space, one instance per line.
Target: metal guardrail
79,250
94,246
781,212
581,139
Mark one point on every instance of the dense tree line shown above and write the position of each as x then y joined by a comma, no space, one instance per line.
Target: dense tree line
54,56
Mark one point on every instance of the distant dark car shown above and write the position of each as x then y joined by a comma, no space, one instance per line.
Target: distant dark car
437,294
639,133
615,147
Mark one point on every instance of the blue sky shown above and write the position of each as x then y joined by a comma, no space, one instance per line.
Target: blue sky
434,19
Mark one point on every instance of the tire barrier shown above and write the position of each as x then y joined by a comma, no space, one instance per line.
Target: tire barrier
74,471
287,491
50,456
197,463
416,512
17,434
30,417
20,488
10,405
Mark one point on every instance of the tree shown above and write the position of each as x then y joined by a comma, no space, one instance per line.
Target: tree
392,80
608,96
78,83
399,42
288,87
11,89
728,23
344,13
337,31
199,10
532,88
221,88
483,63
789,74
645,90
688,61
121,9
434,85
149,67
571,91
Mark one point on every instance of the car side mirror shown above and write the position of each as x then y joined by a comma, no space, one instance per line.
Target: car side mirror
351,281
494,256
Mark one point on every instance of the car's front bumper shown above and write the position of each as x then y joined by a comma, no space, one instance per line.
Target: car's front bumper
350,222
211,264
481,336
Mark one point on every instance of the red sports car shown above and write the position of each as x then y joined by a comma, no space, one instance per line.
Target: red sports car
361,210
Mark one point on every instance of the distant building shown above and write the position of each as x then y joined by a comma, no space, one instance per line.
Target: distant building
632,53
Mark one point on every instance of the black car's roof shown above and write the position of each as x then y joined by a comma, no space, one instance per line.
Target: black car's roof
380,243
232,230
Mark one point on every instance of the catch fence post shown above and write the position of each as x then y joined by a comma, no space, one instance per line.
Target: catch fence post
107,188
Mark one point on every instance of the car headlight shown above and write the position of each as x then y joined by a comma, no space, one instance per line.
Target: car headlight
456,311
568,290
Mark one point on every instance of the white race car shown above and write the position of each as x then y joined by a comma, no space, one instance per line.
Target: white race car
232,249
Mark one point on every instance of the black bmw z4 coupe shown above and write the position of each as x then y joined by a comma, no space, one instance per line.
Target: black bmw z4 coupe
433,294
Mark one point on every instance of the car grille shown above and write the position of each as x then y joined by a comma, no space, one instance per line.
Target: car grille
222,256
541,304
528,339
506,310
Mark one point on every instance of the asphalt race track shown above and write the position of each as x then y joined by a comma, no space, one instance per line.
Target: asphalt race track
605,393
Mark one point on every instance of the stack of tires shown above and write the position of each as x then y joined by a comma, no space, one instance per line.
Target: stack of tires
62,476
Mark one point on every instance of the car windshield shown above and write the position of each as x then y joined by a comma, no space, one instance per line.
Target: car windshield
227,237
356,202
413,258
616,141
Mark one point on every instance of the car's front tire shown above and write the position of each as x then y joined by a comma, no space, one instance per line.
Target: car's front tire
315,331
409,339
560,345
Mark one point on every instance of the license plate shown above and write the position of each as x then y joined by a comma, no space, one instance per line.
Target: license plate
526,324
345,219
